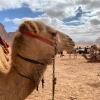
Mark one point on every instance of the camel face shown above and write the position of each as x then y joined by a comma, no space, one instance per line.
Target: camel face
33,46
69,43
66,42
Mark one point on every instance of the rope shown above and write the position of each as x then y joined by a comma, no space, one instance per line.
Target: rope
53,73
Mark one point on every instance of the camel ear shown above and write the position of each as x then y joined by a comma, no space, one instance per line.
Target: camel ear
23,28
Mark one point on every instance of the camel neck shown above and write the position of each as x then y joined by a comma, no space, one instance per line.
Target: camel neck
20,86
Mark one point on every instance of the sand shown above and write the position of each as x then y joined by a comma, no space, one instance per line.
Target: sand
76,80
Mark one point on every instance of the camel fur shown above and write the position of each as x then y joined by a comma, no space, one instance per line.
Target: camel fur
12,85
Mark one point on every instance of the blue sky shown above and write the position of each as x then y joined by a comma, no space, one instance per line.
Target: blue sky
78,18
16,13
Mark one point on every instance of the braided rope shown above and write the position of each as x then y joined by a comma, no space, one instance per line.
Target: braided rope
53,73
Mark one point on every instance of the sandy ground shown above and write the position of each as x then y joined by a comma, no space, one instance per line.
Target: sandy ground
76,80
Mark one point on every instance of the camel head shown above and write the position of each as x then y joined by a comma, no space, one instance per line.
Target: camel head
66,42
69,44
35,40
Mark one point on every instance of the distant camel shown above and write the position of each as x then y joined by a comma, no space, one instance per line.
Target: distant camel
32,51
94,54
92,58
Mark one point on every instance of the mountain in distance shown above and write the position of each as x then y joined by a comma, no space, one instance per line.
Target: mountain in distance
6,36
3,32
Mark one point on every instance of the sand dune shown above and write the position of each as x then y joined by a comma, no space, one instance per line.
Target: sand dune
76,80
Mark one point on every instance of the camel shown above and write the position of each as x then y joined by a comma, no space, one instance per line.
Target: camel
92,57
94,54
32,50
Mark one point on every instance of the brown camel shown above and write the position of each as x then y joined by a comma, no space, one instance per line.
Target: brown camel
32,51
94,54
92,57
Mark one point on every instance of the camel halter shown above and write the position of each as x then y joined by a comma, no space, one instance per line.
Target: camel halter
49,42
30,60
45,40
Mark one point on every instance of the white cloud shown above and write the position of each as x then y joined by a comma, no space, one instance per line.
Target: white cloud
94,4
89,4
8,4
17,21
95,22
54,8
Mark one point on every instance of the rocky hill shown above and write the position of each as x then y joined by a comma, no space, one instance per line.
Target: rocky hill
7,36
3,32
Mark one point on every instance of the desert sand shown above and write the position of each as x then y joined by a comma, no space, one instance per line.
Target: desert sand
76,80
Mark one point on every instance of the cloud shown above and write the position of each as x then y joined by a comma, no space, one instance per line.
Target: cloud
53,8
94,4
57,11
83,2
17,21
54,22
10,4
95,22
89,4
98,13
80,17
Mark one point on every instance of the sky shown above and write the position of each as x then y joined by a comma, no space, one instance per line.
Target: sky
80,19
